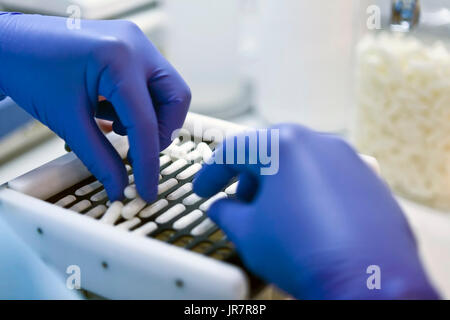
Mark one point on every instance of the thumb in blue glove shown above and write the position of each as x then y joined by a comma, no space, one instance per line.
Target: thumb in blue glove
57,75
319,224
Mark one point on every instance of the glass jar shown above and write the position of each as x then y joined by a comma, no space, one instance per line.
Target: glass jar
403,97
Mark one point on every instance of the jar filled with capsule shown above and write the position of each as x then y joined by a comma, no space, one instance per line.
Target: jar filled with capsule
402,94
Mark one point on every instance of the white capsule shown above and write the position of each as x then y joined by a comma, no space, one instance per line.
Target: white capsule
81,206
127,225
145,229
194,156
187,220
202,146
207,204
167,185
231,190
205,150
154,208
178,153
175,143
99,196
133,207
177,165
187,146
207,155
191,200
96,212
88,188
66,201
189,172
181,151
172,146
130,179
113,213
130,192
171,213
181,191
203,227
165,159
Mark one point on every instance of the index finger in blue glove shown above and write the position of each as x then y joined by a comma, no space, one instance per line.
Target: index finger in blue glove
134,107
171,98
226,163
91,146
233,217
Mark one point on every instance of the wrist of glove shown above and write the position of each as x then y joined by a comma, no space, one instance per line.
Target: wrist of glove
364,276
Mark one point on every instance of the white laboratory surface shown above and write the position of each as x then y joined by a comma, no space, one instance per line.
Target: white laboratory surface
432,230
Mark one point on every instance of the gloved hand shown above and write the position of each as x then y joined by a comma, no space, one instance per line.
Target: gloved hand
57,74
315,226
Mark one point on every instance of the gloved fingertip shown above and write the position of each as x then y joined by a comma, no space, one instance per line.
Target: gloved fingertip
164,142
147,188
114,187
217,209
115,195
201,186
231,216
247,187
211,179
149,195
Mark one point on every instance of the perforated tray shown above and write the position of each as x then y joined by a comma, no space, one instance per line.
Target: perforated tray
212,243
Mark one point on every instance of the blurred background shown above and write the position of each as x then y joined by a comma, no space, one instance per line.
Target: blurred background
256,62
376,72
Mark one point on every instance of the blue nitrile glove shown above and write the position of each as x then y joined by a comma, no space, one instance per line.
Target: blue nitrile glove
57,73
2,95
314,227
